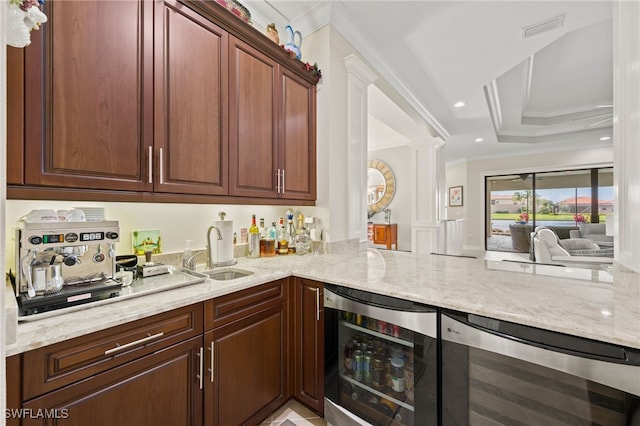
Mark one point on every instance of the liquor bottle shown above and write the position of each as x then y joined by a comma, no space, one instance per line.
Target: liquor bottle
273,231
283,239
254,239
268,242
291,231
263,230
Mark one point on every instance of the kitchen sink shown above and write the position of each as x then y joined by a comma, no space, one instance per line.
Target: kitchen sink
227,274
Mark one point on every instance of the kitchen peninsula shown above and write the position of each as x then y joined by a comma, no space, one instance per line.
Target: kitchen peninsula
194,338
597,304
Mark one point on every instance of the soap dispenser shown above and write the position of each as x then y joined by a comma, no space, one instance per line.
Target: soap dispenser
187,256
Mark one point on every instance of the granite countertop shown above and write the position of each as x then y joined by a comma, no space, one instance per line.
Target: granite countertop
601,304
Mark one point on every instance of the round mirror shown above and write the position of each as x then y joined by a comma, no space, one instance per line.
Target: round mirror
381,186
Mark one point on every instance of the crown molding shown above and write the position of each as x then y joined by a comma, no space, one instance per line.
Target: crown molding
493,102
527,79
550,120
313,19
552,137
342,21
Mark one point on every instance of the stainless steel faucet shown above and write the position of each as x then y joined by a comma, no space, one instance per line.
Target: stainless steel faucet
190,263
209,262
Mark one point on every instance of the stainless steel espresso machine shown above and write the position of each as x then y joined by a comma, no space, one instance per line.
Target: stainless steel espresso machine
61,264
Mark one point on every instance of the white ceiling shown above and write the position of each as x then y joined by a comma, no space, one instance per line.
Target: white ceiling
545,93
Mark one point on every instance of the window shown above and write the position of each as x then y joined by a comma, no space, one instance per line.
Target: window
516,204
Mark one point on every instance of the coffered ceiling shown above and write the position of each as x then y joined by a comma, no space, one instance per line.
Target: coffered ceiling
546,91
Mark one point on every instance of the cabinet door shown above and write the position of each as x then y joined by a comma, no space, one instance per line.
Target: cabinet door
15,115
380,234
297,138
248,378
253,117
191,137
14,389
89,95
309,344
159,389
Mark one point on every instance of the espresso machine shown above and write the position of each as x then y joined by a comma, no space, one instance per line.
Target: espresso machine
61,264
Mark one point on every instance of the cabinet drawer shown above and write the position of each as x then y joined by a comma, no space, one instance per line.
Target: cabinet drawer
234,306
57,365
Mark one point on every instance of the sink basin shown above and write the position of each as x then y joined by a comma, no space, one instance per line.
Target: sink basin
227,274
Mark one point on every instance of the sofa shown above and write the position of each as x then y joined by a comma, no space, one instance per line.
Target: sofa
548,248
595,232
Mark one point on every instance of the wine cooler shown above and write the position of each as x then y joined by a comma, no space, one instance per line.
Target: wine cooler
380,359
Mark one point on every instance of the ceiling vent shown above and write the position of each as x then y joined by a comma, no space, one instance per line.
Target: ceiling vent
544,26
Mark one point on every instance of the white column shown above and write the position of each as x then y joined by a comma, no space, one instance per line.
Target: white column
427,169
626,131
360,76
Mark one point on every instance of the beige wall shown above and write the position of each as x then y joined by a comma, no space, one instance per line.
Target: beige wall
471,174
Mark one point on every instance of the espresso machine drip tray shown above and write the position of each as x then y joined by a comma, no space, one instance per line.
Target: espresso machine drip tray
74,292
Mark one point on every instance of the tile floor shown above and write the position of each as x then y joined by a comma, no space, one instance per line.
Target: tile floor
294,414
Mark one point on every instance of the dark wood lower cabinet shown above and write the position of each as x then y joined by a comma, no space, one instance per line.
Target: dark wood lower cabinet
249,377
235,364
308,328
159,389
14,389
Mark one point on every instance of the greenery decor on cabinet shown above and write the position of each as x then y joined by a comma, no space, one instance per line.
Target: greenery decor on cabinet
145,138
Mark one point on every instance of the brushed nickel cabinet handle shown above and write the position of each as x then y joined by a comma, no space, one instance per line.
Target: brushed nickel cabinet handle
119,347
161,168
150,164
283,181
278,185
212,361
317,291
201,375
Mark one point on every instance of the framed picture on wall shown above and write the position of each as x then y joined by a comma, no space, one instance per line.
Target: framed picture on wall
455,196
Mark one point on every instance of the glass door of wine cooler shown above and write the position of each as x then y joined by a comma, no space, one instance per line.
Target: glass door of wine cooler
380,370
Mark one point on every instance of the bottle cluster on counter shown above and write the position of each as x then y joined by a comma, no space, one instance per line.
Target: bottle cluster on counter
378,369
281,239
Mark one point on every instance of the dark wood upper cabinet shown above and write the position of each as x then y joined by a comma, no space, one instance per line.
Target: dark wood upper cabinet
158,100
272,128
15,115
88,93
253,112
297,137
190,103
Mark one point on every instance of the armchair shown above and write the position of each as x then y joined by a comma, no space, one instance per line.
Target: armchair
575,251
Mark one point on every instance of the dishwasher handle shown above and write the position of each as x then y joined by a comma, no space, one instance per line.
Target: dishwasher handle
550,340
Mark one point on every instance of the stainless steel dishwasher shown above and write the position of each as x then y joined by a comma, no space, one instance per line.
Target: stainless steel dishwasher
381,360
501,373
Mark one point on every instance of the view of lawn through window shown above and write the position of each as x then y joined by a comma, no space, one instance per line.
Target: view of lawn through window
516,204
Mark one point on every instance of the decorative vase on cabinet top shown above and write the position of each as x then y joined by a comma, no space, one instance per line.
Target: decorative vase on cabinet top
291,46
272,33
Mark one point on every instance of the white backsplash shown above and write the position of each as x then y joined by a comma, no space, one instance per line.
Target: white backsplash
176,222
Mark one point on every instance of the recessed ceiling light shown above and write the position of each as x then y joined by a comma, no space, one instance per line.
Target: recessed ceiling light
460,104
605,138
479,140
